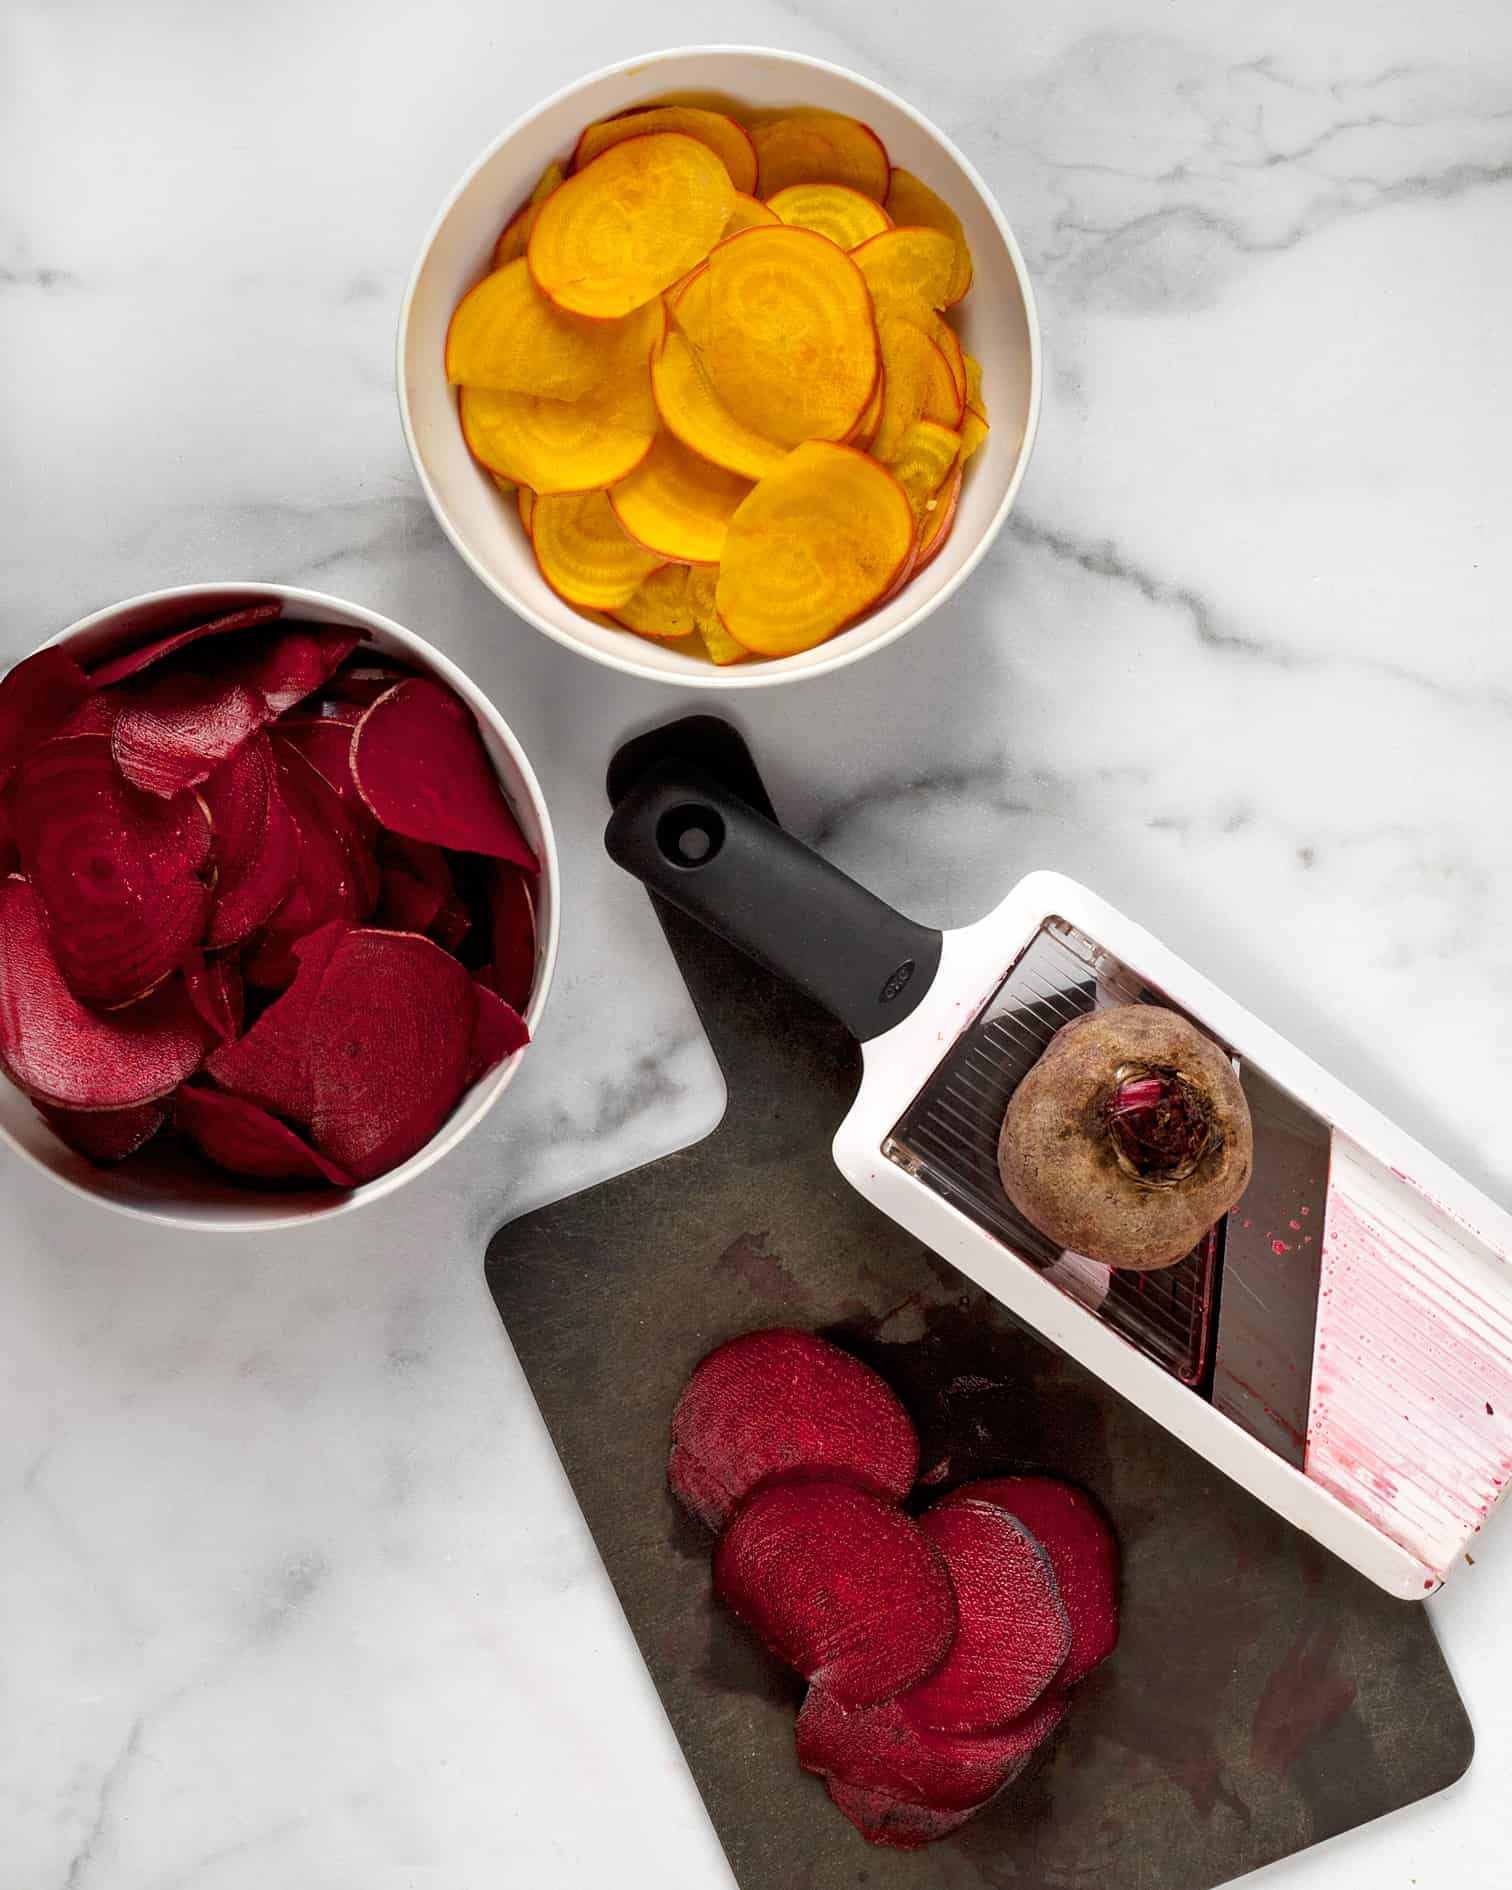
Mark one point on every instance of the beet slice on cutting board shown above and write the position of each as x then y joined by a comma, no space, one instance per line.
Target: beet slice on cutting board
893,1822
36,698
245,1140
1014,1634
423,770
841,1585
1078,1538
271,1064
105,1136
118,873
135,661
58,1050
390,1040
781,1403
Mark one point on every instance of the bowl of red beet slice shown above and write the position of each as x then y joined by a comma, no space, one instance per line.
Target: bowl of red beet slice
278,907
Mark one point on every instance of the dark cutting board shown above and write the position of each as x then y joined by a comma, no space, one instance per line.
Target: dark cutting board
1263,1696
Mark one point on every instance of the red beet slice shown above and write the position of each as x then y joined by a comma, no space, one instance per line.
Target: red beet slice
1014,1635
841,1585
245,1140
105,1136
778,1403
390,1041
1078,1538
58,1050
326,743
215,990
287,668
416,884
270,1065
36,698
363,680
451,924
118,872
250,888
511,911
498,1033
95,715
10,854
134,661
422,768
892,1823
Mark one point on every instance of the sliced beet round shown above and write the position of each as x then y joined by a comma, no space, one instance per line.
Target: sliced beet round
270,1065
892,1823
287,668
511,912
326,743
58,1050
119,873
416,883
10,853
498,1033
1014,1635
251,889
390,1041
422,768
179,728
781,1403
105,1136
215,990
95,715
36,698
245,1140
135,661
1078,1538
840,1585
363,678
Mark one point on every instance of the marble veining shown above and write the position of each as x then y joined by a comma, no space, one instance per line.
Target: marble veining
292,1588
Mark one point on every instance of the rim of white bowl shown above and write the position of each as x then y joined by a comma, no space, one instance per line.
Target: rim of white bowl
451,1132
774,672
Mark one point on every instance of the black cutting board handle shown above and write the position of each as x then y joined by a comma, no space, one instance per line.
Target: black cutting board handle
707,850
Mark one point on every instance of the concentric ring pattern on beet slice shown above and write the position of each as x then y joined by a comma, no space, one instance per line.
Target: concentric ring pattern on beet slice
58,1050
390,1041
245,1140
841,1585
1078,1538
1014,1634
119,874
423,770
779,1403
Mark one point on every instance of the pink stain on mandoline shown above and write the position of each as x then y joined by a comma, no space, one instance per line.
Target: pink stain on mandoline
1412,1363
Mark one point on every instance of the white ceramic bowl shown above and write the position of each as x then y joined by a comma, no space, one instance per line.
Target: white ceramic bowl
181,1193
996,321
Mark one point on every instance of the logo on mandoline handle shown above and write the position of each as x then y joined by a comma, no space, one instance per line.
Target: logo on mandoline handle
896,981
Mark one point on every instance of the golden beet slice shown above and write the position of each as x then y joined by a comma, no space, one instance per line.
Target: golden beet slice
525,499
661,606
792,343
943,399
816,147
973,432
558,446
730,142
814,544
939,516
865,429
584,553
948,342
515,234
916,385
692,412
974,384
505,336
845,216
925,459
909,271
909,200
629,224
750,213
677,504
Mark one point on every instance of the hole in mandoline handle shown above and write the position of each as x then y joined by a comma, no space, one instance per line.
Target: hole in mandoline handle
690,836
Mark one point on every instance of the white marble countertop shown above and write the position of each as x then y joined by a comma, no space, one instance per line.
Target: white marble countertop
292,1589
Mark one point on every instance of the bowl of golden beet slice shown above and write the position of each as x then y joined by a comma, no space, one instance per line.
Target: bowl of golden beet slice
721,367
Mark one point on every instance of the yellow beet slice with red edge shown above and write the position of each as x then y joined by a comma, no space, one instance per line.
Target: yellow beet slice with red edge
924,461
908,270
730,142
865,429
817,147
692,412
506,486
974,384
814,544
845,216
973,432
916,385
584,553
558,446
943,400
939,517
677,504
630,223
792,343
507,337
909,200
516,232
525,499
948,342
719,646
750,213
659,606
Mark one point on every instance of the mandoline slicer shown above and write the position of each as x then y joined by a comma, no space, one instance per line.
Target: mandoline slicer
1341,1345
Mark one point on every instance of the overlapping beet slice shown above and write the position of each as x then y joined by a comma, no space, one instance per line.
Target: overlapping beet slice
216,991
498,1032
779,1403
120,875
325,741
255,844
104,675
36,698
1013,1635
10,855
511,912
1078,1539
422,768
105,1136
390,1041
416,883
841,1585
61,1052
270,1065
246,1140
